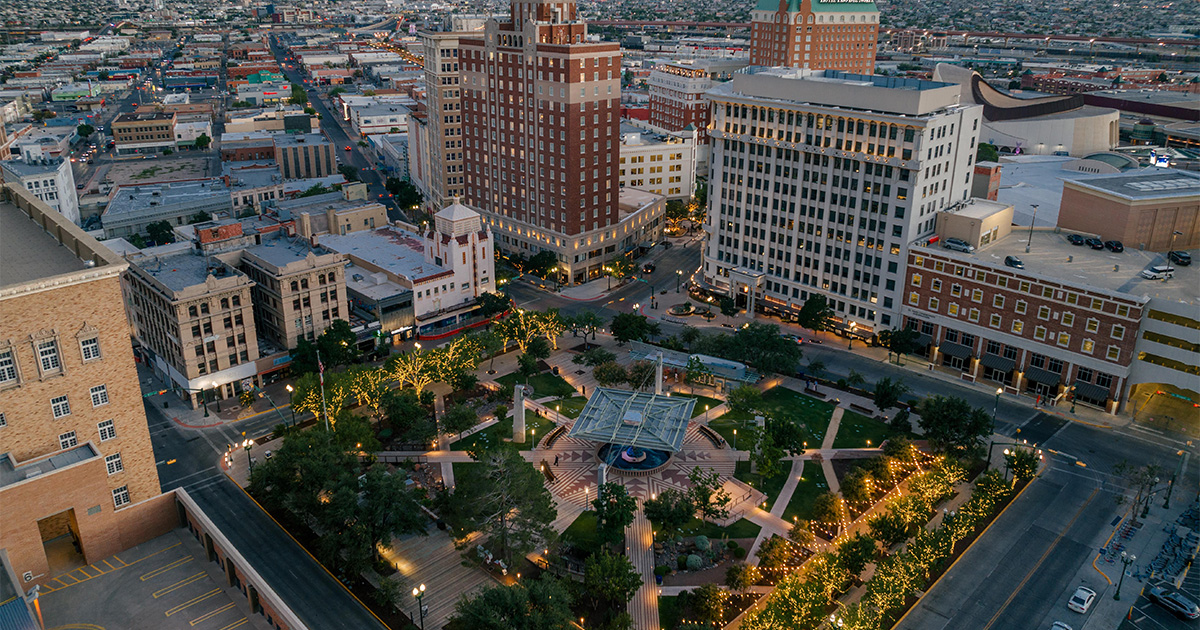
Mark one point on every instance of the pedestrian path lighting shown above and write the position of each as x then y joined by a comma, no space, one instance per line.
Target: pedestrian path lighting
419,593
735,439
678,275
1126,559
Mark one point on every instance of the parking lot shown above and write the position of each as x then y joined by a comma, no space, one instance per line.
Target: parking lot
1146,615
164,584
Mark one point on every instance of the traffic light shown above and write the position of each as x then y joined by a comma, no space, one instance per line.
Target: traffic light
157,393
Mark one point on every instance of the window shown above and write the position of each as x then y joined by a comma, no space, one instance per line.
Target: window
1088,346
1068,319
90,348
995,320
108,430
113,463
1039,333
973,315
1118,331
956,290
933,304
1018,326
936,285
1123,310
916,279
977,295
1093,325
99,395
3,421
998,301
1064,339
67,440
1043,312
914,299
8,366
1022,306
1114,353
48,356
121,496
60,407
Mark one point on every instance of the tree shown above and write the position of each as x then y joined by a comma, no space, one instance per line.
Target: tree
315,189
741,576
899,341
40,115
816,313
630,327
889,392
542,604
509,503
594,357
161,232
828,508
765,453
801,533
527,366
855,552
349,172
952,425
538,348
407,418
695,372
541,264
672,509
773,552
370,387
708,604
614,512
762,347
610,579
889,528
706,495
84,130
1023,462
675,213
202,141
386,507
459,418
641,374
200,217
299,95
1141,480
610,373
986,153
589,322
857,486
728,306
493,304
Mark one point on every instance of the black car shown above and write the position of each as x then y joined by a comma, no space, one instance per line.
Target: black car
1013,261
1182,259
1094,243
1075,239
648,268
1114,246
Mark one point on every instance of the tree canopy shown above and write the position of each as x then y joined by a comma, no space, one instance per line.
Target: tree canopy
542,604
952,425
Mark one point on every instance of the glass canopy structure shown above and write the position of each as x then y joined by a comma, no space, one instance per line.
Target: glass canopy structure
628,418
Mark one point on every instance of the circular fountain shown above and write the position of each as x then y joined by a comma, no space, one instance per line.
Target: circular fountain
633,461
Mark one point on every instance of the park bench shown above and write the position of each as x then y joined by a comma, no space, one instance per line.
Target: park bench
712,436
866,411
553,436
550,476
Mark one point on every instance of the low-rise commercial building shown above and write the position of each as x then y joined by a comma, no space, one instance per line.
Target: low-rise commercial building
132,208
340,212
661,163
50,179
301,156
1155,209
144,133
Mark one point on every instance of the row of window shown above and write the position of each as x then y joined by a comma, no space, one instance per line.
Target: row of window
48,357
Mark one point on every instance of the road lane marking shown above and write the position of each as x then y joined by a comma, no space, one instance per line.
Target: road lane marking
193,601
163,569
166,590
1045,555
211,613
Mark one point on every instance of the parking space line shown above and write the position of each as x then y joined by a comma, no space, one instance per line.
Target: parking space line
86,575
163,569
193,601
211,613
110,566
237,624
180,584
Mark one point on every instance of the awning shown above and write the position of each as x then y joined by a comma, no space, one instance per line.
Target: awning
997,362
922,341
955,350
1045,377
1090,391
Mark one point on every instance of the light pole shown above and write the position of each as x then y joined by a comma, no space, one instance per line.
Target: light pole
1126,560
1072,399
735,439
608,274
291,402
1029,243
248,444
204,399
996,409
679,273
706,413
853,325
419,593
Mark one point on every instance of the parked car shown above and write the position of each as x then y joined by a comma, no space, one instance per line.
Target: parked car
1114,246
1082,600
1058,625
1174,601
1179,257
1013,261
958,245
1158,272
1094,243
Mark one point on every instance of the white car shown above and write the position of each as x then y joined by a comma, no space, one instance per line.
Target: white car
1082,600
1058,625
1158,272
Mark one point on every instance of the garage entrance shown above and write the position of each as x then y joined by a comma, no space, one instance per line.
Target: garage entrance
61,542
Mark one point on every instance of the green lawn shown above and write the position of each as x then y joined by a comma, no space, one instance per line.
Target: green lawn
855,429
582,532
570,407
806,492
701,402
781,402
769,486
725,427
544,384
502,432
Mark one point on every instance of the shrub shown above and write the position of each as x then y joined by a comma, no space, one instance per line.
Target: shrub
702,543
681,561
693,563
501,411
732,545
662,569
739,553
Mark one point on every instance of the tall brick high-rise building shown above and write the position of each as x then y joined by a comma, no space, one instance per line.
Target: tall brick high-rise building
816,34
541,108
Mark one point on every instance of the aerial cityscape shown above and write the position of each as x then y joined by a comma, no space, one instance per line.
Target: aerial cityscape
582,315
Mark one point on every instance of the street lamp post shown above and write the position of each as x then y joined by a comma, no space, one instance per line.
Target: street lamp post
608,274
853,325
248,444
679,274
735,439
996,409
204,399
291,402
1072,399
1029,243
1126,559
419,593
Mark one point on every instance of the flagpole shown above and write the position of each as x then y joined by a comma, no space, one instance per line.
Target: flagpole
321,372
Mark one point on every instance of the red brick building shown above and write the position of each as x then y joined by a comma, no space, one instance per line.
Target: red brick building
816,34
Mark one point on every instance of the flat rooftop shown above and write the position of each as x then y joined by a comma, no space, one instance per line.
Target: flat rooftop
299,139
1148,183
397,251
21,168
133,199
1156,97
375,286
1029,179
27,252
1049,252
279,251
180,271
850,78
10,475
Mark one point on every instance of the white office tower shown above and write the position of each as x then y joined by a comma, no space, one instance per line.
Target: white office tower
820,179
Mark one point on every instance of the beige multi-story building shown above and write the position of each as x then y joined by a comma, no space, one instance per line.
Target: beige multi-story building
78,481
148,132
444,111
297,293
306,155
661,163
335,213
193,316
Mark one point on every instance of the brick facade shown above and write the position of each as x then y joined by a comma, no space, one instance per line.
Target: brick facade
795,35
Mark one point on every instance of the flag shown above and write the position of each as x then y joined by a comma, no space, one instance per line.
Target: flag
321,369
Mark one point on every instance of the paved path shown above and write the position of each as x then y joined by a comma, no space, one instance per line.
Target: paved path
639,545
835,421
433,560
830,476
785,494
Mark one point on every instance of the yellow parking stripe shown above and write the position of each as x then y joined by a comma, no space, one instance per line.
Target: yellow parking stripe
110,566
85,573
237,624
78,626
61,579
164,569
193,601
180,584
211,613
